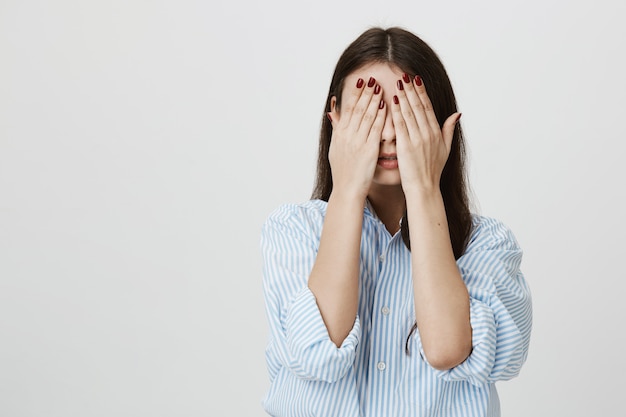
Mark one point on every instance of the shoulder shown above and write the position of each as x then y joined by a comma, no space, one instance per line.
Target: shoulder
492,249
491,233
304,209
308,215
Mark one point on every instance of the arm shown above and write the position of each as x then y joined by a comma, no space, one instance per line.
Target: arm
334,279
500,305
299,339
353,153
442,305
311,277
479,306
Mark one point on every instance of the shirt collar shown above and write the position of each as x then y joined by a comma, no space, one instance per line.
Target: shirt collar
369,209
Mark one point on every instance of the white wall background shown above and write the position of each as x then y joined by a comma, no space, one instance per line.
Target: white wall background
142,144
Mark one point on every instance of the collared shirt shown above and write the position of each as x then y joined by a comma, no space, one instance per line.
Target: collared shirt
370,374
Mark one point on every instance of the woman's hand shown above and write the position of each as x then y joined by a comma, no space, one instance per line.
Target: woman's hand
423,148
356,136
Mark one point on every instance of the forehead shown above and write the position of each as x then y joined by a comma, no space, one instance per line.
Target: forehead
382,71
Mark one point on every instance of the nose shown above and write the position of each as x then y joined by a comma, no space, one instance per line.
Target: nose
388,135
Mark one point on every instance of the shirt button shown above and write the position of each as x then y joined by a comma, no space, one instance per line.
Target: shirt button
381,257
381,366
385,310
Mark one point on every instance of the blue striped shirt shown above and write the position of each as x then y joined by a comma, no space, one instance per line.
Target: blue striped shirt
370,374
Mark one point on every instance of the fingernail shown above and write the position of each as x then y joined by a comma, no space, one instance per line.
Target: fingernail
395,100
406,78
371,82
377,89
418,80
329,118
459,117
400,85
381,104
359,83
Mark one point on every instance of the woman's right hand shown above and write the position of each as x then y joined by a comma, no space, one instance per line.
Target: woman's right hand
355,141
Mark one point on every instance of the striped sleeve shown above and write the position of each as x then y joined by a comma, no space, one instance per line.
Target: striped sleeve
299,337
500,306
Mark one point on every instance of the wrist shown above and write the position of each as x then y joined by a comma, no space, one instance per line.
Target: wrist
348,196
422,194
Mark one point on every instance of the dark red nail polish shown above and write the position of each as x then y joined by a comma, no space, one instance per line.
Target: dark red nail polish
329,118
381,104
377,89
400,85
359,83
371,82
395,100
406,78
418,80
459,117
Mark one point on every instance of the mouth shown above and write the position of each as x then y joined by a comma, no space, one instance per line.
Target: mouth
388,157
388,161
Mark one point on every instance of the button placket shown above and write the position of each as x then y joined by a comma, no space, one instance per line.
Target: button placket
381,307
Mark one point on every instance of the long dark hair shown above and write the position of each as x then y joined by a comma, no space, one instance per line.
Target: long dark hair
413,56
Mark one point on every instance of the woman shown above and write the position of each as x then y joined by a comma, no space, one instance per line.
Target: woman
371,317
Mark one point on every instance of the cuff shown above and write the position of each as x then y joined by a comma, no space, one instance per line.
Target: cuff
315,356
478,365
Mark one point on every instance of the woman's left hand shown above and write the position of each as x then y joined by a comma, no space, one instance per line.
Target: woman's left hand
422,146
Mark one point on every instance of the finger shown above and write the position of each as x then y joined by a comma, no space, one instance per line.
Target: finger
372,111
363,104
376,130
416,105
400,126
406,110
448,129
350,101
427,106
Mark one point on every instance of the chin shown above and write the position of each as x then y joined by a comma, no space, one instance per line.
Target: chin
390,178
